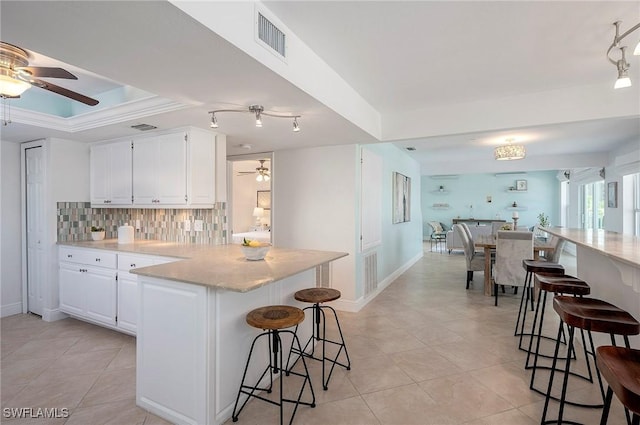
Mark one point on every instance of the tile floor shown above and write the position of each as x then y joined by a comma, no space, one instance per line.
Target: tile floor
425,351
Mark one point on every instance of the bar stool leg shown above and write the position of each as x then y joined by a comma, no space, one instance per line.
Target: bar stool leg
274,367
317,335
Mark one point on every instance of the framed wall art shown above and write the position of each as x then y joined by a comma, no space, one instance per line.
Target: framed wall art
264,199
401,198
521,185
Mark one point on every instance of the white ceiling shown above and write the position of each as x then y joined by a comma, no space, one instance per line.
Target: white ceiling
453,79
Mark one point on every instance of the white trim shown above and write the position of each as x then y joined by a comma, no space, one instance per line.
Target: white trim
11,309
357,305
124,112
51,315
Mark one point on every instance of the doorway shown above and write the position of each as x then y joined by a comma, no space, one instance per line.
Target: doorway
250,181
33,188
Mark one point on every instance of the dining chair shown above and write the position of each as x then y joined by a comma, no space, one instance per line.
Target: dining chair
475,260
438,234
511,248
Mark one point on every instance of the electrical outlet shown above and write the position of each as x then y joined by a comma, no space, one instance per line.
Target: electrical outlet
187,225
198,225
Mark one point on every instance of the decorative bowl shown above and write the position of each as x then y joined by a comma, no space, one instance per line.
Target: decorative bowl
97,236
255,253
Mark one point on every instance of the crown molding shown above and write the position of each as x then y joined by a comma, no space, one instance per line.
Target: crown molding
127,111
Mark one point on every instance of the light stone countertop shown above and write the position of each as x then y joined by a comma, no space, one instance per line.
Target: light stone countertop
624,248
220,266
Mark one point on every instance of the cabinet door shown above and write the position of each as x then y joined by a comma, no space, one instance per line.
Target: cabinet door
127,301
120,167
202,169
72,289
171,179
99,174
101,294
144,172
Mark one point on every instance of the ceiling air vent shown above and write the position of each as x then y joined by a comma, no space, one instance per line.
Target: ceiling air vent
144,127
270,35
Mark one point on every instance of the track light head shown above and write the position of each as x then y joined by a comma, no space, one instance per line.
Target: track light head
214,120
296,127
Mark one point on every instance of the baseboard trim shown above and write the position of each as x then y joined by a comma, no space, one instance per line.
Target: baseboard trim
357,305
51,315
11,309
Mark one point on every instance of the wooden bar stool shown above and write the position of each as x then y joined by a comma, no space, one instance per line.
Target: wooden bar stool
532,267
318,296
592,315
620,367
274,320
557,285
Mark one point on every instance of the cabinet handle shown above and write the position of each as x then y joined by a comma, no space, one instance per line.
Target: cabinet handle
98,260
69,256
132,265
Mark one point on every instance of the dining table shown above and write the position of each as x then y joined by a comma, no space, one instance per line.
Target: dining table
488,243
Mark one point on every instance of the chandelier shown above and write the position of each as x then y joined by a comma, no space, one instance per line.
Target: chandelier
509,151
258,111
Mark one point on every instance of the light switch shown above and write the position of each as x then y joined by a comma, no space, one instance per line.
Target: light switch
187,225
198,225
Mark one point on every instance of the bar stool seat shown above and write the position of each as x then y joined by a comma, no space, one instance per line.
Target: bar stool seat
532,267
275,320
318,296
592,315
620,367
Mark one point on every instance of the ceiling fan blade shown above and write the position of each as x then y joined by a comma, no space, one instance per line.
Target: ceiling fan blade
65,92
48,72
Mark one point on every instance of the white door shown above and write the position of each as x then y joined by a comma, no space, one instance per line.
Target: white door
34,178
73,297
171,178
120,172
144,172
127,301
101,294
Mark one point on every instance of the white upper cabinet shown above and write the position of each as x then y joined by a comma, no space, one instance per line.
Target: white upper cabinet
111,174
160,170
181,169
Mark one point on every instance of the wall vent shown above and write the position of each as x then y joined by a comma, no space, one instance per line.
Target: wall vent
370,272
144,127
271,35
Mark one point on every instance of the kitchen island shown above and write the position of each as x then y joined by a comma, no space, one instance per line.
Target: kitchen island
193,340
610,263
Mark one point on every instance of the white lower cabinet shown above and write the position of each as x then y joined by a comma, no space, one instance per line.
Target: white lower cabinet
96,285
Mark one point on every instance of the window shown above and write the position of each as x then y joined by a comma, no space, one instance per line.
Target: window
593,203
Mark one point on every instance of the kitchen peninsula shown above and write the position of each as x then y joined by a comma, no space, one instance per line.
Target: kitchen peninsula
192,338
610,263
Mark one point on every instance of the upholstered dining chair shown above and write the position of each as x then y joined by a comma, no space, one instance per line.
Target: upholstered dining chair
475,260
511,248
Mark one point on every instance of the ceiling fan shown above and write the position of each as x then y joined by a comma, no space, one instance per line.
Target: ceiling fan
16,76
262,173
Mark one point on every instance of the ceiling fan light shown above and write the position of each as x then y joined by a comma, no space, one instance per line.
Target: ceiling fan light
11,87
266,177
259,178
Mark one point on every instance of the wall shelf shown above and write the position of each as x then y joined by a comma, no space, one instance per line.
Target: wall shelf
439,192
441,206
516,191
510,208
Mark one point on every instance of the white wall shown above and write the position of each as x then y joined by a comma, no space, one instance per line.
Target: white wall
316,194
11,241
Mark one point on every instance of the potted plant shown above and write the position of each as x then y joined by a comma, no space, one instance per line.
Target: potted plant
543,221
97,233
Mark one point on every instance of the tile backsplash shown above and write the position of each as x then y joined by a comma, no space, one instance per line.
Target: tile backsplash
76,218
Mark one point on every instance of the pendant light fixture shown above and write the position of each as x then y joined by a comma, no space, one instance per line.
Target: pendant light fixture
621,64
509,151
258,111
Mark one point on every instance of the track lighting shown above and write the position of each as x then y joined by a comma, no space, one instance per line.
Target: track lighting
258,111
621,64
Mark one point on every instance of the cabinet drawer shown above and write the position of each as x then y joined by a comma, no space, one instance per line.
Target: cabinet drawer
92,257
127,262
